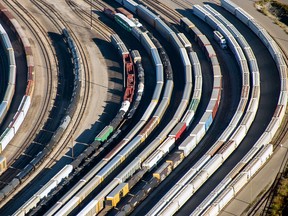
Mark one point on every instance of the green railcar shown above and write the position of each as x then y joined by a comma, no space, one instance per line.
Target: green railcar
104,134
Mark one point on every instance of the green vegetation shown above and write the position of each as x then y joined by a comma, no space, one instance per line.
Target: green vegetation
280,200
276,11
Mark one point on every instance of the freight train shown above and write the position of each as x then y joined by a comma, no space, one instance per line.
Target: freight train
262,150
19,116
106,132
98,201
35,162
134,143
125,22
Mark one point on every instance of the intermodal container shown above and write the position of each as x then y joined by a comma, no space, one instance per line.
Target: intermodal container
178,130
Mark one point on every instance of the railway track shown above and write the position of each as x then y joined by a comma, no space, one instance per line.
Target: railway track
164,9
100,27
183,4
60,23
42,39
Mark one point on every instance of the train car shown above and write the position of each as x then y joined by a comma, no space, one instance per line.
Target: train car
115,195
125,12
104,134
163,171
125,22
3,164
109,12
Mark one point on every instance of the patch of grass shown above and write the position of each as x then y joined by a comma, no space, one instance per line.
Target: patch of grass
281,198
275,10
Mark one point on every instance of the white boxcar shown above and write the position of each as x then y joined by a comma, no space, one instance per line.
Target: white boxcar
188,145
213,164
188,117
243,15
187,177
167,145
236,118
273,126
185,194
171,193
187,91
217,81
199,132
227,133
214,61
216,70
207,201
253,167
248,120
239,135
201,162
149,110
6,137
186,64
199,179
229,6
212,210
264,139
239,182
283,84
25,104
253,105
265,153
216,93
197,94
17,121
256,78
225,197
170,209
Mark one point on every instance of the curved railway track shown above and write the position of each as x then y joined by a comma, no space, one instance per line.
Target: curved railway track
103,30
164,9
41,36
59,22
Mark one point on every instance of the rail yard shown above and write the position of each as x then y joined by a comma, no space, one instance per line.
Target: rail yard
140,107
